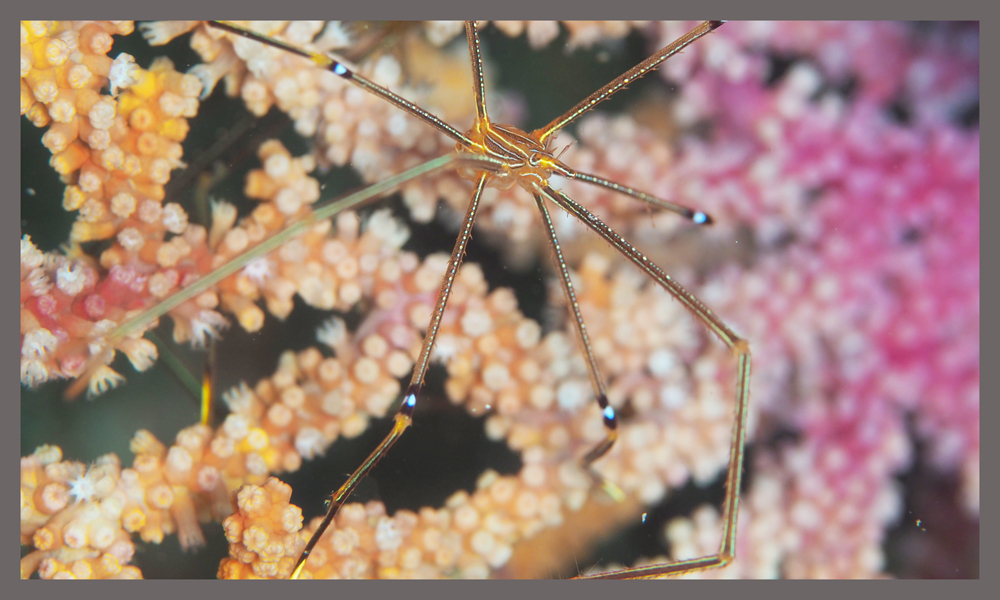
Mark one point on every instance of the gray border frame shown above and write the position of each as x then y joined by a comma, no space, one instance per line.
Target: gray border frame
619,9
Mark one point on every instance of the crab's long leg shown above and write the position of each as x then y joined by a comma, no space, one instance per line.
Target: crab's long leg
476,58
352,200
619,83
737,345
404,417
695,216
596,380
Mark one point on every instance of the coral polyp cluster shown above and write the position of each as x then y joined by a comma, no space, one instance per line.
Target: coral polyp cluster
838,161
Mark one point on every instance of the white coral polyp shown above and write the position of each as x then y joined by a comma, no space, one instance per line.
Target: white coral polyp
239,399
332,332
82,489
122,74
174,218
259,270
38,282
31,257
71,278
334,36
33,372
158,33
236,427
38,343
103,379
206,325
141,352
390,229
310,442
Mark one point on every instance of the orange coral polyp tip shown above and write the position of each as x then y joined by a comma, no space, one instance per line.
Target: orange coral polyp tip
95,41
148,144
268,216
56,140
153,191
70,159
45,91
143,119
89,232
155,170
259,185
38,115
79,76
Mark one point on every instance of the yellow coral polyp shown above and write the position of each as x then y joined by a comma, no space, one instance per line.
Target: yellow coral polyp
36,29
256,440
39,54
175,129
251,318
29,479
128,102
153,535
271,457
148,85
